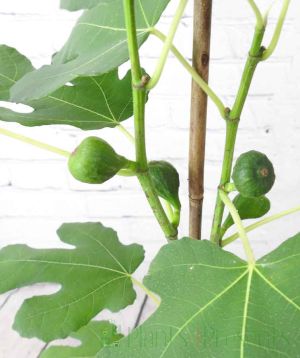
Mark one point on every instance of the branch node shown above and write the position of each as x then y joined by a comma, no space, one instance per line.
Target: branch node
227,112
233,120
228,118
143,83
259,56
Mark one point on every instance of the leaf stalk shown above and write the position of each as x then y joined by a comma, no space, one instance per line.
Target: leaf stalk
241,230
191,70
278,30
260,22
34,142
167,45
260,223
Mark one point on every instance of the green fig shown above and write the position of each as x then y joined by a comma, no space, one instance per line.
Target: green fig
248,208
166,181
94,161
253,174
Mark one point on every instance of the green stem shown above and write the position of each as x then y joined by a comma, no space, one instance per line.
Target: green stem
146,183
169,209
139,93
232,123
229,187
127,134
201,83
273,44
167,45
133,47
139,101
223,232
260,23
267,13
176,217
231,133
260,223
150,294
241,230
173,213
130,165
36,143
126,173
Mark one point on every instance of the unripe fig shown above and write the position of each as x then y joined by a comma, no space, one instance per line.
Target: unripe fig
253,174
94,161
166,181
248,208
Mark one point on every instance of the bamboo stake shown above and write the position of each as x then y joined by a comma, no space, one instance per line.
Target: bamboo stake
201,58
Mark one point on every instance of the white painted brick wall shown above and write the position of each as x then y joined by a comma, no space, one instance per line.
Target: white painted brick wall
36,192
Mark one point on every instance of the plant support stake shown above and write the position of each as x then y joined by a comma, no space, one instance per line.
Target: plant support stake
201,56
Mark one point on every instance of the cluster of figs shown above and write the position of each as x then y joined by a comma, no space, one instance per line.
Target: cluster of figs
253,176
94,161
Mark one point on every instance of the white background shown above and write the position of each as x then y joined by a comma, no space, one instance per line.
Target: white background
37,194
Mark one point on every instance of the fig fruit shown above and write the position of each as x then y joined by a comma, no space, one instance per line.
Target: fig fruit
253,174
94,161
165,179
248,208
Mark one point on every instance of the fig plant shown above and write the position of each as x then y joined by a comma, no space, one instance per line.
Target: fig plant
210,303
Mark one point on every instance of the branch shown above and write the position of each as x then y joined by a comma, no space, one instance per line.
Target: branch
139,102
232,123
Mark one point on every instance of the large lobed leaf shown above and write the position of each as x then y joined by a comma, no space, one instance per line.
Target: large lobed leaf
93,337
98,44
90,103
13,66
96,275
216,306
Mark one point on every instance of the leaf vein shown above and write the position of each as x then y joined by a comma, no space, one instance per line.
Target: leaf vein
276,289
202,310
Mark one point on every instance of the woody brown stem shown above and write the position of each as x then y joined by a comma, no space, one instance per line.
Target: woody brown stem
201,58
